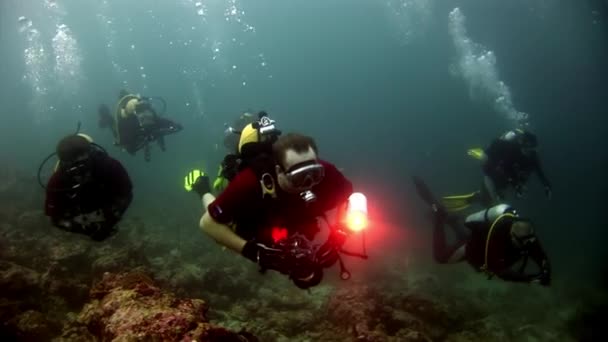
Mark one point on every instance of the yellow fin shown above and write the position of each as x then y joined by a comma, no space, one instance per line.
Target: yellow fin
191,178
476,153
458,202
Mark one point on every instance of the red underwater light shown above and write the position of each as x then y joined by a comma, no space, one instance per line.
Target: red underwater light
356,213
278,234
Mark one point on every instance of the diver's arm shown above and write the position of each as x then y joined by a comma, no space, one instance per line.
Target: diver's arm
221,233
537,254
207,199
540,172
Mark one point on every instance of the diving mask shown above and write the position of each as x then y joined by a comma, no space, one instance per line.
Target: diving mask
304,176
79,170
266,125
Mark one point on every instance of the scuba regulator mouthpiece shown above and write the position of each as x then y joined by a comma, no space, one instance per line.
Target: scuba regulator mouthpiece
308,196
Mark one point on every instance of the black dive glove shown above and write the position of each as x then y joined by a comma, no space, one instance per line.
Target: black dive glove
267,258
201,185
303,273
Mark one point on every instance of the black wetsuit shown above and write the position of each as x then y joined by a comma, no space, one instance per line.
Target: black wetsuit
502,254
106,188
134,135
507,165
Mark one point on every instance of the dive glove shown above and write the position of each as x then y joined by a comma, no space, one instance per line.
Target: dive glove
267,258
201,185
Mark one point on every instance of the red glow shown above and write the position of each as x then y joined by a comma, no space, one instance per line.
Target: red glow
356,221
278,234
356,214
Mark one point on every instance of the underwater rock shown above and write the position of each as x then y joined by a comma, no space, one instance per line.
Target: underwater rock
18,282
75,334
368,313
353,309
221,280
114,260
130,307
71,253
32,326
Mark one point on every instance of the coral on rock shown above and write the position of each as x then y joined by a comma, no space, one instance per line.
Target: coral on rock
130,307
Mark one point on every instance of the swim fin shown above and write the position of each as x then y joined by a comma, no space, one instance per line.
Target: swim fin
423,191
105,118
191,178
459,202
438,211
477,153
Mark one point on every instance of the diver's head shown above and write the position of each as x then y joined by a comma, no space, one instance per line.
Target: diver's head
74,153
261,131
528,142
522,233
298,168
74,147
232,133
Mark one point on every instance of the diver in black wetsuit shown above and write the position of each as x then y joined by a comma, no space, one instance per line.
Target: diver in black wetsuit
89,191
508,162
500,242
136,123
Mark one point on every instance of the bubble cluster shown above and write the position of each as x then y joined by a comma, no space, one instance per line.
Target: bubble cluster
477,66
409,17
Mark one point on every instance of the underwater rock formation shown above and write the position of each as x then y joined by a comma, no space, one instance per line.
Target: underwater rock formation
130,307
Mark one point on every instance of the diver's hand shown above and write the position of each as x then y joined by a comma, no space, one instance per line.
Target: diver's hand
544,278
201,185
548,191
266,257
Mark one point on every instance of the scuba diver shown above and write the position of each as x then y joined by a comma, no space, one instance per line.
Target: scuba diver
89,191
232,133
136,123
238,158
268,213
507,162
500,242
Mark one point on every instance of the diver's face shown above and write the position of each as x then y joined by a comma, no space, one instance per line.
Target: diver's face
79,169
527,151
299,172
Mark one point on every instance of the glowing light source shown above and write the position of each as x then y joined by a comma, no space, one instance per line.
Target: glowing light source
278,234
356,213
